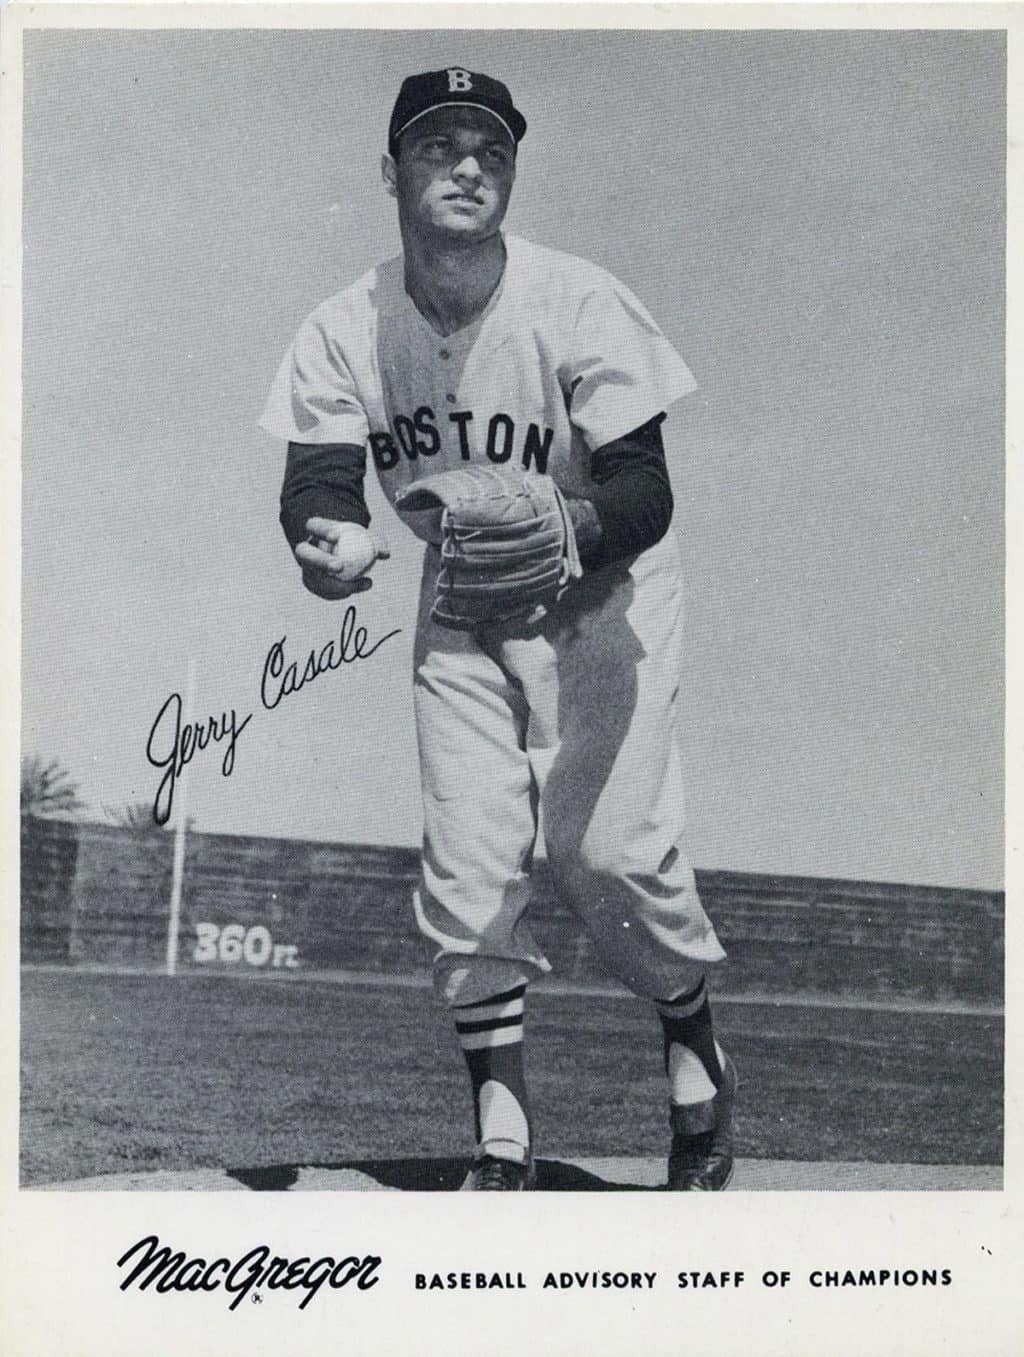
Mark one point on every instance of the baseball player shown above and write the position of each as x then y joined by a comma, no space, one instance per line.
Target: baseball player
510,397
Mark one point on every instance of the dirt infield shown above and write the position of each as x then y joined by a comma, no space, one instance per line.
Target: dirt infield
152,1077
553,1175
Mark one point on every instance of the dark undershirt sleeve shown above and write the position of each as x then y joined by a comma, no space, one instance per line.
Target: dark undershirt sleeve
322,480
632,494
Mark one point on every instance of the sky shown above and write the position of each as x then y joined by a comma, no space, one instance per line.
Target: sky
816,222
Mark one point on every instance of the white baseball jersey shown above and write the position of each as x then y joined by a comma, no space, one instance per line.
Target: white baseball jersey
563,360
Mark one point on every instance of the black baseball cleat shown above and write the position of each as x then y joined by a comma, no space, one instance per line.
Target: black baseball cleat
489,1174
701,1158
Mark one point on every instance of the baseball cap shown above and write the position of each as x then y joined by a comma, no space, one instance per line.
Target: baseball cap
453,86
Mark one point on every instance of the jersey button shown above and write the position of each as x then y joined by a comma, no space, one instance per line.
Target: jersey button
450,398
445,353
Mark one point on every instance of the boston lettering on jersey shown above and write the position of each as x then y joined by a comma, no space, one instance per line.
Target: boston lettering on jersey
500,437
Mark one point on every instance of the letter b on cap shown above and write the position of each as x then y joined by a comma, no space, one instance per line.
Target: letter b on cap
459,81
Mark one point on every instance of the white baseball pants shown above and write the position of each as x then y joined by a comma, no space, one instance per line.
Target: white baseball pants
574,717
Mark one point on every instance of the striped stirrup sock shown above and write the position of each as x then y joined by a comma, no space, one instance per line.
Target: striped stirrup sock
491,1037
693,1058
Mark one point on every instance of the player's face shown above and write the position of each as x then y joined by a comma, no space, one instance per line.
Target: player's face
454,174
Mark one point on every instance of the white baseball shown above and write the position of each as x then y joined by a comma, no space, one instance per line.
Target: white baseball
357,551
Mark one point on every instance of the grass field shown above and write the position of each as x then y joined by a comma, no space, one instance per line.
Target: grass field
123,1072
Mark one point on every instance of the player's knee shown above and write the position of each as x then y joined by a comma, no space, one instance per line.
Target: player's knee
604,855
583,873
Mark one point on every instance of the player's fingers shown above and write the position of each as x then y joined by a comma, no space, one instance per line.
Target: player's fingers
324,527
309,554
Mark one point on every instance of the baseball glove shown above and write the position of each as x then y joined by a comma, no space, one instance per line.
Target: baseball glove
508,549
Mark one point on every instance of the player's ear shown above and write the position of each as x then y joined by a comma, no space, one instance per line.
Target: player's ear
389,173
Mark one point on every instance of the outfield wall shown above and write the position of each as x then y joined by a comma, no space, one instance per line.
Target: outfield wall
98,894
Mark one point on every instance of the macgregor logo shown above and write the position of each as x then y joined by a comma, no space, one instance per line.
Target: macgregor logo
158,1267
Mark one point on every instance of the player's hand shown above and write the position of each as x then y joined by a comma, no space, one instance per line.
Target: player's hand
337,558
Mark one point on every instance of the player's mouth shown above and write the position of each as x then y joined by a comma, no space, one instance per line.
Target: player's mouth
469,198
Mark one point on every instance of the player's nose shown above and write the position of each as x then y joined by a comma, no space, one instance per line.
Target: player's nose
468,168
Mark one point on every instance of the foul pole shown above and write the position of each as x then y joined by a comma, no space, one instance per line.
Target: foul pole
178,870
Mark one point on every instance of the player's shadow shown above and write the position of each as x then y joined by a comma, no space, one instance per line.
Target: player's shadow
424,1175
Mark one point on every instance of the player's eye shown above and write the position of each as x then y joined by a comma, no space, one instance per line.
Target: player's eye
434,146
496,155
